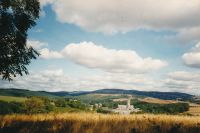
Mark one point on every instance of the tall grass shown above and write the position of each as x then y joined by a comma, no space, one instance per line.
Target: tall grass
98,123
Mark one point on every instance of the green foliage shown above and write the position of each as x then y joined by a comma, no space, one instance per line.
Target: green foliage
98,98
105,100
64,102
77,104
111,104
16,17
49,105
103,111
38,105
30,106
60,102
12,99
25,93
11,107
34,105
161,108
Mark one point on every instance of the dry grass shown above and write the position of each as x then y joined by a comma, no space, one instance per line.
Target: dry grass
194,111
98,123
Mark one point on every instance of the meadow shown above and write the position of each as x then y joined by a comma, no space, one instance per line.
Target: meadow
12,99
98,123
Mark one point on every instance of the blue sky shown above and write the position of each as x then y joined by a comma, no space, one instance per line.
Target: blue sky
88,45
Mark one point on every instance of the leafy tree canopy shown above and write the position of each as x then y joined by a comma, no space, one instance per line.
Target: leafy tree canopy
16,17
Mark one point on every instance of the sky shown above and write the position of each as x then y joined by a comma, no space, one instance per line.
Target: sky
148,45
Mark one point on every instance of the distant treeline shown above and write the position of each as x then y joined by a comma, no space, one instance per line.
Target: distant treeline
155,108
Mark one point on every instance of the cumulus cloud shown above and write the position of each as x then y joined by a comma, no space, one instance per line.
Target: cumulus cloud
192,59
111,16
47,54
96,56
36,44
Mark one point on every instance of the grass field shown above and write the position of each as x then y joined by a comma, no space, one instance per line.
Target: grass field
12,99
98,123
156,100
194,110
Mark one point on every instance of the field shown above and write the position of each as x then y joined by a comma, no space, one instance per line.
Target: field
12,99
194,109
98,123
156,100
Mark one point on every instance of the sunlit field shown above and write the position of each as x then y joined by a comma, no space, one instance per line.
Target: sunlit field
99,123
12,99
194,111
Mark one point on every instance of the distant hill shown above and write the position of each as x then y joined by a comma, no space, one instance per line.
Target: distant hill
24,93
154,94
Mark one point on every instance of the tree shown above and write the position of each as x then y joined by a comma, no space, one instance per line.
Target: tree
60,102
34,105
11,107
16,18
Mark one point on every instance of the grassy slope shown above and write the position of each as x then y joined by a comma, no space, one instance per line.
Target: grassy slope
24,93
158,101
12,99
98,97
98,123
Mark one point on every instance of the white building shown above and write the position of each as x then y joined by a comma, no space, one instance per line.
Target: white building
126,109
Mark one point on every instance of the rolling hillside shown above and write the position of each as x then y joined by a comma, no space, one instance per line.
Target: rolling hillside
160,95
24,93
154,94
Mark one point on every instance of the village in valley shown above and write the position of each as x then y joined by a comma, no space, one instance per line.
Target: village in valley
125,109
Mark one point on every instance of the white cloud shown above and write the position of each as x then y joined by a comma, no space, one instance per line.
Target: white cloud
48,80
111,16
57,80
185,76
185,35
46,2
192,59
183,81
36,44
98,57
196,48
47,54
95,56
189,34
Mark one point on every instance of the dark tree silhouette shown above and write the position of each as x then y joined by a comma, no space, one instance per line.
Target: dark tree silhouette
16,17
